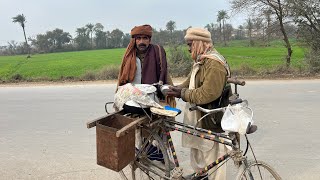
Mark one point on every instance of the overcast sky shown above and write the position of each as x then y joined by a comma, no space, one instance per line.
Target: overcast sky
44,15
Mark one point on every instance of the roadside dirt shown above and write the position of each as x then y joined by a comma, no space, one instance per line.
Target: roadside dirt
175,80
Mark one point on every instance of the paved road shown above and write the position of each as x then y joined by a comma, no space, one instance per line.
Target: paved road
43,133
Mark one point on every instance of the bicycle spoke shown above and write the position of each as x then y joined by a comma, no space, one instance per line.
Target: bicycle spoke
258,170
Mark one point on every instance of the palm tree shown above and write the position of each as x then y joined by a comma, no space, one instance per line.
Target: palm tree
250,28
100,36
171,26
98,27
90,29
21,19
222,16
219,19
240,32
210,27
268,13
82,38
81,31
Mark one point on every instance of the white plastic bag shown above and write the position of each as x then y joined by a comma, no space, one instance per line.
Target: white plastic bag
236,118
136,93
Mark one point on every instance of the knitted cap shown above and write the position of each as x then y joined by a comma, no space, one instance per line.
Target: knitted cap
199,34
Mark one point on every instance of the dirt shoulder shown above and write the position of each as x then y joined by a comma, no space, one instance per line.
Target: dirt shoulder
175,80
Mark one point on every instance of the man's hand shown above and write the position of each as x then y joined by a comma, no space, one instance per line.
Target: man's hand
174,91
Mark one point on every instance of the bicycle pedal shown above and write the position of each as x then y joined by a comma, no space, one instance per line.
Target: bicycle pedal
176,173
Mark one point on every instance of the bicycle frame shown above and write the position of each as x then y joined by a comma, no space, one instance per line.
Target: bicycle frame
165,125
162,126
168,125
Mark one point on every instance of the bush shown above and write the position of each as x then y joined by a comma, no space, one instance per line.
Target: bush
243,70
89,76
17,77
68,78
109,72
179,61
313,60
310,38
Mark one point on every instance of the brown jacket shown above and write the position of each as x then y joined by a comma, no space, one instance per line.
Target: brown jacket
209,84
210,81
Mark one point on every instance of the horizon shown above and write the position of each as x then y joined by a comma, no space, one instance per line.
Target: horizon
121,15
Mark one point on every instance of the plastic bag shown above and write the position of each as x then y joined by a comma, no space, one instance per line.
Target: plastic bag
129,92
236,118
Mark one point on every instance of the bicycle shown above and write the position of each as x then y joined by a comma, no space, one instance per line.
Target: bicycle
155,130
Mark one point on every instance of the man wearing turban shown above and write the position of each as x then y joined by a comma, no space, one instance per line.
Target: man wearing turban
203,87
143,62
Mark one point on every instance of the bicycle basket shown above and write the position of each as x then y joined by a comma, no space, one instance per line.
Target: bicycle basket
114,152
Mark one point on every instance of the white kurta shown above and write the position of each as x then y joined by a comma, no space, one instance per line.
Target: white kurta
138,76
190,117
203,152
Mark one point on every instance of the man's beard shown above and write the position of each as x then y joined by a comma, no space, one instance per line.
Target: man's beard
142,48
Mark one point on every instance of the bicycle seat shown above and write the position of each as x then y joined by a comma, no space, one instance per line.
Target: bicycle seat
252,129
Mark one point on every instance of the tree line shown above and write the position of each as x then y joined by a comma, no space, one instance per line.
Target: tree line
93,36
269,20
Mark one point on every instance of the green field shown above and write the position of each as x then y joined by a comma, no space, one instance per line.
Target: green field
55,66
261,58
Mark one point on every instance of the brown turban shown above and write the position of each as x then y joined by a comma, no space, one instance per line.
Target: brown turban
143,30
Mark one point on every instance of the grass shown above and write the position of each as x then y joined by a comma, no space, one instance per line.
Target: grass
75,65
56,65
261,57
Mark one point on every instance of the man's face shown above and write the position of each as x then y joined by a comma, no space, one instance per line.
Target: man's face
142,42
189,43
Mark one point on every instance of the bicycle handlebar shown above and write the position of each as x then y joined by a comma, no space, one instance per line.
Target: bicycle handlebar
222,109
209,111
236,81
236,101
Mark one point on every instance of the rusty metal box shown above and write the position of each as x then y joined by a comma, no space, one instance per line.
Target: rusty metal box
114,152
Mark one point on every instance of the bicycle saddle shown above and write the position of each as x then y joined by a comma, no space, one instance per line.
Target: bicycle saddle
252,129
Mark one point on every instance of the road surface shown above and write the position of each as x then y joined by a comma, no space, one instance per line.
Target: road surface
43,132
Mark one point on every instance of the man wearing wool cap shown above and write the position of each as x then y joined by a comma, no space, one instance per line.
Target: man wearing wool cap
206,87
199,34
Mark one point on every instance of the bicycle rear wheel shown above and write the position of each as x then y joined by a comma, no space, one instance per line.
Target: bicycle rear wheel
145,167
258,170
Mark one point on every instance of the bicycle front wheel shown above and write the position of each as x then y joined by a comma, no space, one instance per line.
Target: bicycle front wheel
146,167
257,170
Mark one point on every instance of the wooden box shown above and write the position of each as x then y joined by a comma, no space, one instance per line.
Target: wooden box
114,152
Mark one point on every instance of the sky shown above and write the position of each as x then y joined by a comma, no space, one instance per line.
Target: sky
46,15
